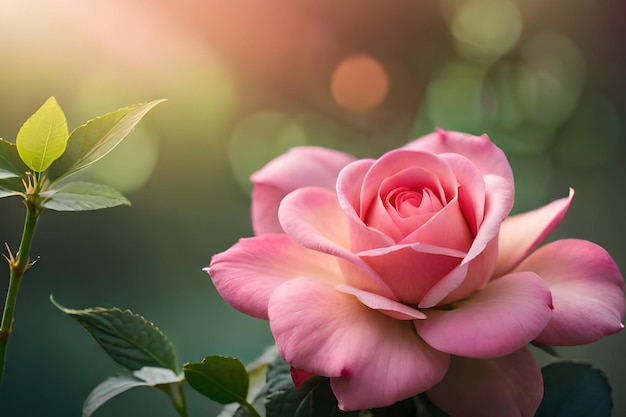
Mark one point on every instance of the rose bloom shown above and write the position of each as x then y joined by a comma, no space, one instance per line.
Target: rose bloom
404,275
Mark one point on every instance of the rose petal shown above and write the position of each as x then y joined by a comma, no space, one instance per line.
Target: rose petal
499,200
372,359
300,167
377,302
477,275
388,165
389,215
471,189
520,234
313,218
510,386
501,318
587,291
246,274
487,157
411,270
447,228
349,182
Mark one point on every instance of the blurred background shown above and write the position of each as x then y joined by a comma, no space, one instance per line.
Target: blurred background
247,80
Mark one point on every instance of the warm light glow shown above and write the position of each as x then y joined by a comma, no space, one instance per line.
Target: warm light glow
359,82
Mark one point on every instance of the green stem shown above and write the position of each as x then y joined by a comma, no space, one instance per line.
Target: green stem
17,268
251,410
177,396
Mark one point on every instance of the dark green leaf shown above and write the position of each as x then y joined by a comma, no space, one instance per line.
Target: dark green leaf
111,387
129,339
43,137
425,407
313,399
96,138
405,408
222,379
574,390
81,196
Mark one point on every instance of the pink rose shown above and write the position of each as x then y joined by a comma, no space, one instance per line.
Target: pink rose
404,275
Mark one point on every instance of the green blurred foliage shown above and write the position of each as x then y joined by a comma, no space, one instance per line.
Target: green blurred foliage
244,81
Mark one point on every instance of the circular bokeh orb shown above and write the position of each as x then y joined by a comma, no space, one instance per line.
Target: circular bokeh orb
359,83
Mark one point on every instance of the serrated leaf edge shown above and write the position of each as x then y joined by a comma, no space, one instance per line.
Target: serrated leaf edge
76,313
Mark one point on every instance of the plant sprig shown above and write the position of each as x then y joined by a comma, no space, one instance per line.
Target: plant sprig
33,167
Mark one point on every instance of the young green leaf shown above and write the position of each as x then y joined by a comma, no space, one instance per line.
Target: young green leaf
111,387
128,338
222,379
96,138
574,390
43,137
81,196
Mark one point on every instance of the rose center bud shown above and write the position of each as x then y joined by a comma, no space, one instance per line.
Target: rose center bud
409,203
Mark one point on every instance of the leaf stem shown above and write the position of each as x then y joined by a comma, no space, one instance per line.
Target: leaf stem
177,396
17,267
251,410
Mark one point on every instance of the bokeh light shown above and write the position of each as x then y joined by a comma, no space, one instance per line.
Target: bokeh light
453,98
557,75
359,82
486,29
245,81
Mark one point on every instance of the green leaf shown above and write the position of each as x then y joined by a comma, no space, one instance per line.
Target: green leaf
111,387
10,159
43,137
129,339
12,170
4,174
81,196
222,379
96,138
257,372
574,390
313,399
5,192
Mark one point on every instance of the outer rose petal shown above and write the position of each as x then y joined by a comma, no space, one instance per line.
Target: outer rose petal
520,234
587,291
247,273
510,386
479,149
372,359
497,320
300,167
